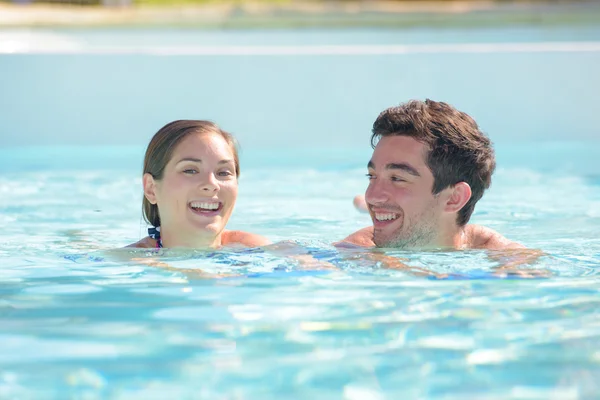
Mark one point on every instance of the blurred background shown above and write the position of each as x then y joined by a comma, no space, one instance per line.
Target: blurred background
84,85
304,77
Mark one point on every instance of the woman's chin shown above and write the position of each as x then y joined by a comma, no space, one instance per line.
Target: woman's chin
211,229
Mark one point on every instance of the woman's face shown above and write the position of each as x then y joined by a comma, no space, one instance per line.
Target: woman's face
198,190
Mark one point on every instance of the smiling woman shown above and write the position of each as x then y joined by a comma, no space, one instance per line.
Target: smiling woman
191,171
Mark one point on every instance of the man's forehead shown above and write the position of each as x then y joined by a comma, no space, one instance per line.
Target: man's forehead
399,149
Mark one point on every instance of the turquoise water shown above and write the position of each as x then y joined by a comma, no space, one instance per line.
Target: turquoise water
80,320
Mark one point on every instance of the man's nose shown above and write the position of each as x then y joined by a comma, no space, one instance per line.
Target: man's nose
376,193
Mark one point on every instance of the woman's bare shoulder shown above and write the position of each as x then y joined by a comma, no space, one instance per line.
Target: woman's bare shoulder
145,243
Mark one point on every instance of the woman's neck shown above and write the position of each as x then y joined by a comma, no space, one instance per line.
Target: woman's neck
177,238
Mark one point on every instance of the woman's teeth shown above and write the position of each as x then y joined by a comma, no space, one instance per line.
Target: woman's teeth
204,206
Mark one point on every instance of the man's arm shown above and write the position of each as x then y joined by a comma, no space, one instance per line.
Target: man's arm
362,238
244,238
360,203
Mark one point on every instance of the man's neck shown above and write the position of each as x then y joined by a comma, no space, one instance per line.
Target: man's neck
453,236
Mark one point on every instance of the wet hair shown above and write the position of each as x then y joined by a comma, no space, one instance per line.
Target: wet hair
458,150
161,147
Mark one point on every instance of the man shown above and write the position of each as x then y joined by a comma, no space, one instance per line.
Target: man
430,166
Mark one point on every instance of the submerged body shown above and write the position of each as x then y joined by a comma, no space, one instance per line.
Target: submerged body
470,237
228,238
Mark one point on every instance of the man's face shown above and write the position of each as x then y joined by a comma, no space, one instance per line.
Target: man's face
404,211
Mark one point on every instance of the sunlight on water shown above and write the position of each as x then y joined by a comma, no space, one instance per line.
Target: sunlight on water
82,319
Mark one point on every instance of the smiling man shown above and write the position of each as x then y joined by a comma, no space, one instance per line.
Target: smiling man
430,166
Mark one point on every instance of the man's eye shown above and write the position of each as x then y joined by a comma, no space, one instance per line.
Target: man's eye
397,179
370,176
225,173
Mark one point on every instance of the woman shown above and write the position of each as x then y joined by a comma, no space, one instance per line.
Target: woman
191,171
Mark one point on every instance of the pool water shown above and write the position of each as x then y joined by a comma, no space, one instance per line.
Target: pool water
81,318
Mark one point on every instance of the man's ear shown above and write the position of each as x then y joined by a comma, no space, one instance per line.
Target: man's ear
459,196
149,188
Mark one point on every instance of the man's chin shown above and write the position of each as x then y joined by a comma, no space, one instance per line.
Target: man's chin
392,241
394,245
386,236
383,242
415,243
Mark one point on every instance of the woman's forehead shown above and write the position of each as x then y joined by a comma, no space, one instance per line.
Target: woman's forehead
203,144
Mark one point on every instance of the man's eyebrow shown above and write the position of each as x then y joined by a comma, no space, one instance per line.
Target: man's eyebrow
404,167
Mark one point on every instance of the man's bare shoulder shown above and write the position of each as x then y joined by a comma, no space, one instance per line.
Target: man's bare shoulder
145,243
481,237
244,238
363,238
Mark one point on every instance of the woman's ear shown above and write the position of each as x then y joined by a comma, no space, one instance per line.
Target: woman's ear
149,188
459,196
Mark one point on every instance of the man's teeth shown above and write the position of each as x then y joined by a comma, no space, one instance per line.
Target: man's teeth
385,217
204,206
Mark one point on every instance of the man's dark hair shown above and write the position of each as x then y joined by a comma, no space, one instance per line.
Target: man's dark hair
458,150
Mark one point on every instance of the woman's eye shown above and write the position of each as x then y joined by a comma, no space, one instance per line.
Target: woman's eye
190,171
225,173
370,176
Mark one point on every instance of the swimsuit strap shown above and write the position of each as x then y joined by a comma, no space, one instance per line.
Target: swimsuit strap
154,233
